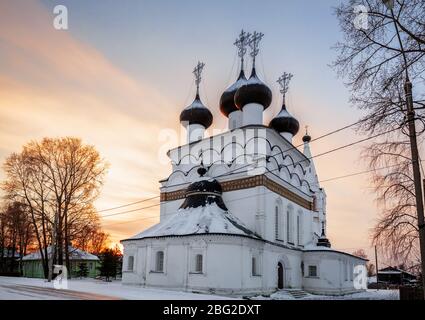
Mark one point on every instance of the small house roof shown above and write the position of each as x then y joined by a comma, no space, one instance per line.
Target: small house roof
75,254
394,270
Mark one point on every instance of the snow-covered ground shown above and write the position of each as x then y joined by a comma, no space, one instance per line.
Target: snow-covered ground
366,295
29,288
38,289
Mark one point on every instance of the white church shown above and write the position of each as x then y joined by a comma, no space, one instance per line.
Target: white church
242,212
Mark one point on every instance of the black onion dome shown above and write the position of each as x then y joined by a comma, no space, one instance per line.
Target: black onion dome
284,122
307,138
253,91
202,192
197,113
227,100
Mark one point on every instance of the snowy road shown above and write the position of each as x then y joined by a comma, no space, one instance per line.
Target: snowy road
25,292
88,289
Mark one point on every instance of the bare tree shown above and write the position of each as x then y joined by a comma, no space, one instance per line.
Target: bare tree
370,59
15,235
58,181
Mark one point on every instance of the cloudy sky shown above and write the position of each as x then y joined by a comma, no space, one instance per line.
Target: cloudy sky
122,72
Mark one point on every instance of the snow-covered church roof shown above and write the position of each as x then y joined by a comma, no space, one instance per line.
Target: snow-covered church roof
75,254
208,219
203,212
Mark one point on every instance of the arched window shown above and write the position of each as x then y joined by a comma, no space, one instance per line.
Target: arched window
130,263
254,266
278,224
198,263
159,262
300,229
289,225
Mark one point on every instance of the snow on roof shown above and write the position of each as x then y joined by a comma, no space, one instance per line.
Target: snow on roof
393,270
319,248
209,219
239,83
316,248
75,254
196,104
7,253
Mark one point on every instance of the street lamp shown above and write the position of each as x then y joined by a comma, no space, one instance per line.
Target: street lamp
413,146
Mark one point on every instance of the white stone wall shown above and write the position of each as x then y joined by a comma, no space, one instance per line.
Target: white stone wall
336,273
227,266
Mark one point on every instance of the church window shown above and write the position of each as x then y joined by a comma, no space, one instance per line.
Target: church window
254,263
299,229
346,270
312,271
198,263
278,224
159,263
130,263
289,226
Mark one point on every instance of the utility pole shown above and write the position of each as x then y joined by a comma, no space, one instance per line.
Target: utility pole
376,268
413,146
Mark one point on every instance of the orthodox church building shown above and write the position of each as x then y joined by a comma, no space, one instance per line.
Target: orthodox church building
242,212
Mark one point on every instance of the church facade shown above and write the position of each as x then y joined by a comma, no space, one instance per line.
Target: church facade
242,212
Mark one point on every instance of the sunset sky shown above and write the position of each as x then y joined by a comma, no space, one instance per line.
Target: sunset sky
123,71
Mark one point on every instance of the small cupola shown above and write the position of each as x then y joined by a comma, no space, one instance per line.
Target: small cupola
196,118
284,122
202,192
323,241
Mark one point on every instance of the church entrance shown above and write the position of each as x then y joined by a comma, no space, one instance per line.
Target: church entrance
280,275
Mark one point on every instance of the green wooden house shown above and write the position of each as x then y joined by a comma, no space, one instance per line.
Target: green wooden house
32,267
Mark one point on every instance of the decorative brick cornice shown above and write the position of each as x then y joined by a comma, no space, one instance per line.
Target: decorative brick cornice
247,183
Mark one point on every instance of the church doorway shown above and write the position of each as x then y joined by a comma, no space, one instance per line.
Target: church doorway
280,276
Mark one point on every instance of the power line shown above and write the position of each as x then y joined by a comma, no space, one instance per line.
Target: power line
236,169
242,198
293,147
127,205
129,211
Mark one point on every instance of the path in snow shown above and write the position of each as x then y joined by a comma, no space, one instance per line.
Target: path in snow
88,289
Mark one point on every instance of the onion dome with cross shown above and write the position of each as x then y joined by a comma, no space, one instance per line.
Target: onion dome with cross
254,90
284,122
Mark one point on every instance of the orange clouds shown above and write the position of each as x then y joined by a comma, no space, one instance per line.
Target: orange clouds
53,85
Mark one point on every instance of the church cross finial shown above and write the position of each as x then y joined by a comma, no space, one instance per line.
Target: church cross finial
254,43
284,83
198,75
241,43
